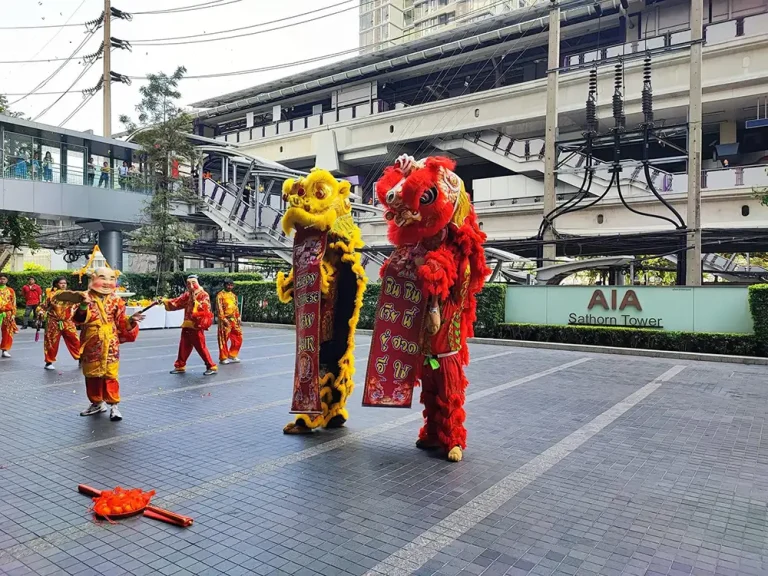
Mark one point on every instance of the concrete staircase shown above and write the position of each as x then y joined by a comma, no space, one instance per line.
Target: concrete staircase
257,223
5,256
526,157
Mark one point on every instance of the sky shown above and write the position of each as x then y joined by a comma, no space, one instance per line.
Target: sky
317,37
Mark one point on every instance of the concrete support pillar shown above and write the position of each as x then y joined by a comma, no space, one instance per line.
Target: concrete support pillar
550,137
693,262
111,244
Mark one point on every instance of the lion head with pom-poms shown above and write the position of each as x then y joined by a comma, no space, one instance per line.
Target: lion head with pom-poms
315,201
421,198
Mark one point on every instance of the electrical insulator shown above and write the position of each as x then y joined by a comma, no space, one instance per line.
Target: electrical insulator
592,103
647,92
618,99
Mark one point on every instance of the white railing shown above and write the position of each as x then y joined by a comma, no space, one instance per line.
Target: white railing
715,33
725,178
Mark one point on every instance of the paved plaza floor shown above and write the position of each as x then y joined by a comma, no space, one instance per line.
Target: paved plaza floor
577,464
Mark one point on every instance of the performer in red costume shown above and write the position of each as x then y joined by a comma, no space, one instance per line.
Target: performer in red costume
427,305
198,317
7,317
59,324
230,326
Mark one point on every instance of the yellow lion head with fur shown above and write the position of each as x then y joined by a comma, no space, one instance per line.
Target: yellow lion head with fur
315,201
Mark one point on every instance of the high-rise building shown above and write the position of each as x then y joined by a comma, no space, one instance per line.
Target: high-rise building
384,23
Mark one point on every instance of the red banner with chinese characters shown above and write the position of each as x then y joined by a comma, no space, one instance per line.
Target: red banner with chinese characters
394,365
308,250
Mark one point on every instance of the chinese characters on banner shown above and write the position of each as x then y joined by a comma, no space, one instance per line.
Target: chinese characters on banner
308,249
394,365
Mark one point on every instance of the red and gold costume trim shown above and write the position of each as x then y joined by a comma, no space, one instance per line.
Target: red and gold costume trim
431,218
319,205
7,317
230,327
198,317
59,324
105,327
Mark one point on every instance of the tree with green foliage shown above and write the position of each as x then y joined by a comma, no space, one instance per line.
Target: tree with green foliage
17,231
161,131
5,108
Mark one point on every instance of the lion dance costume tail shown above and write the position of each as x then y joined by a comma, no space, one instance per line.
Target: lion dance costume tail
326,284
427,306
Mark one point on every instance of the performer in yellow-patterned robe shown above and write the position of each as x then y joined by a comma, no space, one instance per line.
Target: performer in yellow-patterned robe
319,204
105,327
59,324
7,317
230,327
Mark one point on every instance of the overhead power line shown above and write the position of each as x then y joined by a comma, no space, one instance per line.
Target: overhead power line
268,22
161,41
38,27
191,8
285,65
236,36
42,84
71,86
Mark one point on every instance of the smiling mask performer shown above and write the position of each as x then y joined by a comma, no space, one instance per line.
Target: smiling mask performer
105,327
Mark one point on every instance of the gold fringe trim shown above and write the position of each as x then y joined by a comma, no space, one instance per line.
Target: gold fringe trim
348,247
285,286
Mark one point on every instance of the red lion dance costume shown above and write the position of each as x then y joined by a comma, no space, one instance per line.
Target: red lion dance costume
426,310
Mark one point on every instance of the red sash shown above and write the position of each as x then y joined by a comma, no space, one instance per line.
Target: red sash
308,250
394,365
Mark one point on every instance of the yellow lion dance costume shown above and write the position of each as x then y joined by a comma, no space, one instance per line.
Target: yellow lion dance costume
320,214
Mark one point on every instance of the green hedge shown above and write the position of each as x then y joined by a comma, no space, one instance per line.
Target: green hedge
141,284
260,304
703,342
758,306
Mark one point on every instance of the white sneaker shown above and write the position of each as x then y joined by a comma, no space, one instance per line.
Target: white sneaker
235,360
114,414
50,367
226,361
94,409
210,372
6,354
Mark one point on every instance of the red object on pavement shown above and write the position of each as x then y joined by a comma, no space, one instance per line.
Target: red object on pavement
149,511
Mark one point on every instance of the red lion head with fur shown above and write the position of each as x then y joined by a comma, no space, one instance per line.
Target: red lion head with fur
421,198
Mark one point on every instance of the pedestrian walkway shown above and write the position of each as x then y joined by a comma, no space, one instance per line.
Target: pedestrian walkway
576,464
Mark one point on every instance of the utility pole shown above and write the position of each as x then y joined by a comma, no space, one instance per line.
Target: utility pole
550,139
693,261
106,84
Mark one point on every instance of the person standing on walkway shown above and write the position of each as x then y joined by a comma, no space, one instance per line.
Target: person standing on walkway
198,317
91,171
104,179
33,294
105,327
59,324
122,175
48,167
230,327
7,317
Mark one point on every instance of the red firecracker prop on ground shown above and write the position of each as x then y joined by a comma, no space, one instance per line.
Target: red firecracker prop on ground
120,503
